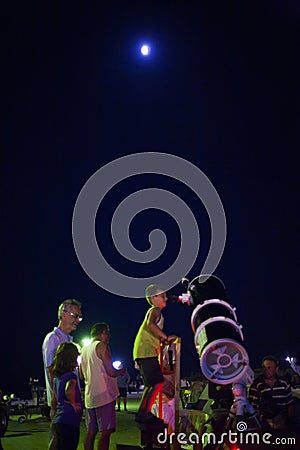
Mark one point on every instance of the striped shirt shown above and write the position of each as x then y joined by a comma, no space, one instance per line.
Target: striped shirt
270,400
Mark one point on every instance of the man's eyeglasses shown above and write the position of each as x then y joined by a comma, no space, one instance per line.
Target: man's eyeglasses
77,316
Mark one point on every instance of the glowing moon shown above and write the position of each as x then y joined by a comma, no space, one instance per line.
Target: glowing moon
145,50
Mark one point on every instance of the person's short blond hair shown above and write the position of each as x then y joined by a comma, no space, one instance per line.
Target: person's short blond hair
153,289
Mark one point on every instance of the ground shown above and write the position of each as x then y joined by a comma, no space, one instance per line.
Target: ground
33,434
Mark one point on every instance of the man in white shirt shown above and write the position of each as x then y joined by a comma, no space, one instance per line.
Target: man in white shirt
101,389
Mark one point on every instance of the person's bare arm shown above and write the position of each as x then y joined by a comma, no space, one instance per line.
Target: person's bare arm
51,376
103,352
71,395
53,401
151,322
81,375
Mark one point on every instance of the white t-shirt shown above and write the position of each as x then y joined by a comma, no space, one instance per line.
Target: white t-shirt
100,388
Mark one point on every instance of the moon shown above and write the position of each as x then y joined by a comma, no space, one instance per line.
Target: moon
145,50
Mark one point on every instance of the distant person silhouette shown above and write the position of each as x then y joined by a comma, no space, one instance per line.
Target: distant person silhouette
123,382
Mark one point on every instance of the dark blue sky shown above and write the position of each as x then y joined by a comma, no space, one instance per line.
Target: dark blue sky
221,89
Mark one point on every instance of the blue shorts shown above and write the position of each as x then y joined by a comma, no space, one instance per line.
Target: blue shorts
102,418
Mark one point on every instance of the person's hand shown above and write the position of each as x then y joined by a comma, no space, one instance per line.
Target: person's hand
77,406
54,404
171,338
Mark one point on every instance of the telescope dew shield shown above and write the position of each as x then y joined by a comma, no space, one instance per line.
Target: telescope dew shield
211,308
218,340
205,287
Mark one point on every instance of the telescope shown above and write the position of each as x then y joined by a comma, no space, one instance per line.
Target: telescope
218,336
219,342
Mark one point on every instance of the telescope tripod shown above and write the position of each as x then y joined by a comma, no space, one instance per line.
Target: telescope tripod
241,407
241,413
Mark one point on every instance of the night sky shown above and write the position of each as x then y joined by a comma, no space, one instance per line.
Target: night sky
219,89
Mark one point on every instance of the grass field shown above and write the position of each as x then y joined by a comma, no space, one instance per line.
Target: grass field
34,432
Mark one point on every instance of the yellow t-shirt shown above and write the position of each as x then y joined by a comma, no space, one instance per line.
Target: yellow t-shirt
146,344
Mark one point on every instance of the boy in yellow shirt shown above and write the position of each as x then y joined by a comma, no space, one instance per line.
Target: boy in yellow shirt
146,352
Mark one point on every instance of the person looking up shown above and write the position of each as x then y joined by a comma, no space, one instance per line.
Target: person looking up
146,351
